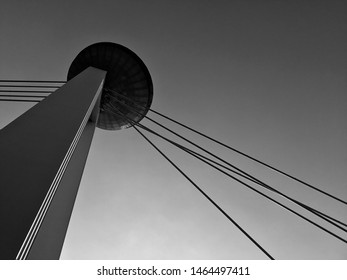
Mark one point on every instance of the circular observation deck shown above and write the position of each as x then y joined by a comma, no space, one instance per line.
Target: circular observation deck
128,89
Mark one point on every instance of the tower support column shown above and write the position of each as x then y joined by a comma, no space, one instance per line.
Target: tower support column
42,157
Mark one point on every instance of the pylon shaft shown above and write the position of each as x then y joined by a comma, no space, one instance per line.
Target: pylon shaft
42,156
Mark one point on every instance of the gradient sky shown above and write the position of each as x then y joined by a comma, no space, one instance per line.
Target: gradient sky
266,77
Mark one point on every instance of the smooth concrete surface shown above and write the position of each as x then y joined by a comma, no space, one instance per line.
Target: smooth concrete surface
35,153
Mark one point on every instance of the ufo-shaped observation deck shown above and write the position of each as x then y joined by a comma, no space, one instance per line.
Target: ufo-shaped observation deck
128,83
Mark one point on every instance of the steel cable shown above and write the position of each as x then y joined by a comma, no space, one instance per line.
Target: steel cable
235,150
252,178
250,187
207,196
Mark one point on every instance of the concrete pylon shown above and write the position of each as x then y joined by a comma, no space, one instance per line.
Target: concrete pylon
42,157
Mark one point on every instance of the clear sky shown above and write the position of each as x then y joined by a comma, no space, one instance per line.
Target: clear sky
266,77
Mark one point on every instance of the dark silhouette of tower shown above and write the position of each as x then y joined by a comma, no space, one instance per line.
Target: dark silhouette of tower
43,152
